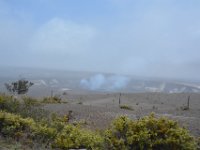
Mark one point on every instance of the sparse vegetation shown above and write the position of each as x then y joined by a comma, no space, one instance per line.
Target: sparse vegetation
148,133
58,133
74,137
26,107
54,99
198,143
9,103
126,107
154,107
184,108
80,103
33,127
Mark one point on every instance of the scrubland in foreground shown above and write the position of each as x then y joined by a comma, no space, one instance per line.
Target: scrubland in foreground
85,121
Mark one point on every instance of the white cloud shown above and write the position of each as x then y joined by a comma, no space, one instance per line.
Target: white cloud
60,36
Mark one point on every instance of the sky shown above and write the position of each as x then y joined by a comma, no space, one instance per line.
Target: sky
148,38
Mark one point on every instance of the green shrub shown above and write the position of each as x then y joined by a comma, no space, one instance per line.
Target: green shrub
10,144
9,103
74,137
43,133
54,99
148,133
25,107
30,122
126,107
69,136
59,122
198,142
80,103
30,102
11,124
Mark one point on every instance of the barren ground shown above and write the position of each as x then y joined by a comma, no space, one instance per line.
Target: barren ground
99,109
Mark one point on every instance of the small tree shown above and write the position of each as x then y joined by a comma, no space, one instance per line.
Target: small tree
19,87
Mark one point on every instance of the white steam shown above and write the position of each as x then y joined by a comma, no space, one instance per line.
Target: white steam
99,82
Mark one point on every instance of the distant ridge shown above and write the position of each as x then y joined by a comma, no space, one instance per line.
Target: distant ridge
46,80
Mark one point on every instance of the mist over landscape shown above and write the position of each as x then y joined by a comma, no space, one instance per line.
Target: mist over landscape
60,81
100,74
158,39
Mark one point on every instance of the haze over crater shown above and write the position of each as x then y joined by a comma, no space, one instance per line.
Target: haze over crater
143,38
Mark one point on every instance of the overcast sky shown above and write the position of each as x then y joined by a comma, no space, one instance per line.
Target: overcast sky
155,38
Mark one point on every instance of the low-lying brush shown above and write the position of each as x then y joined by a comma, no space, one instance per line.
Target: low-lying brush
9,103
25,106
68,136
54,99
74,137
126,107
28,126
148,133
